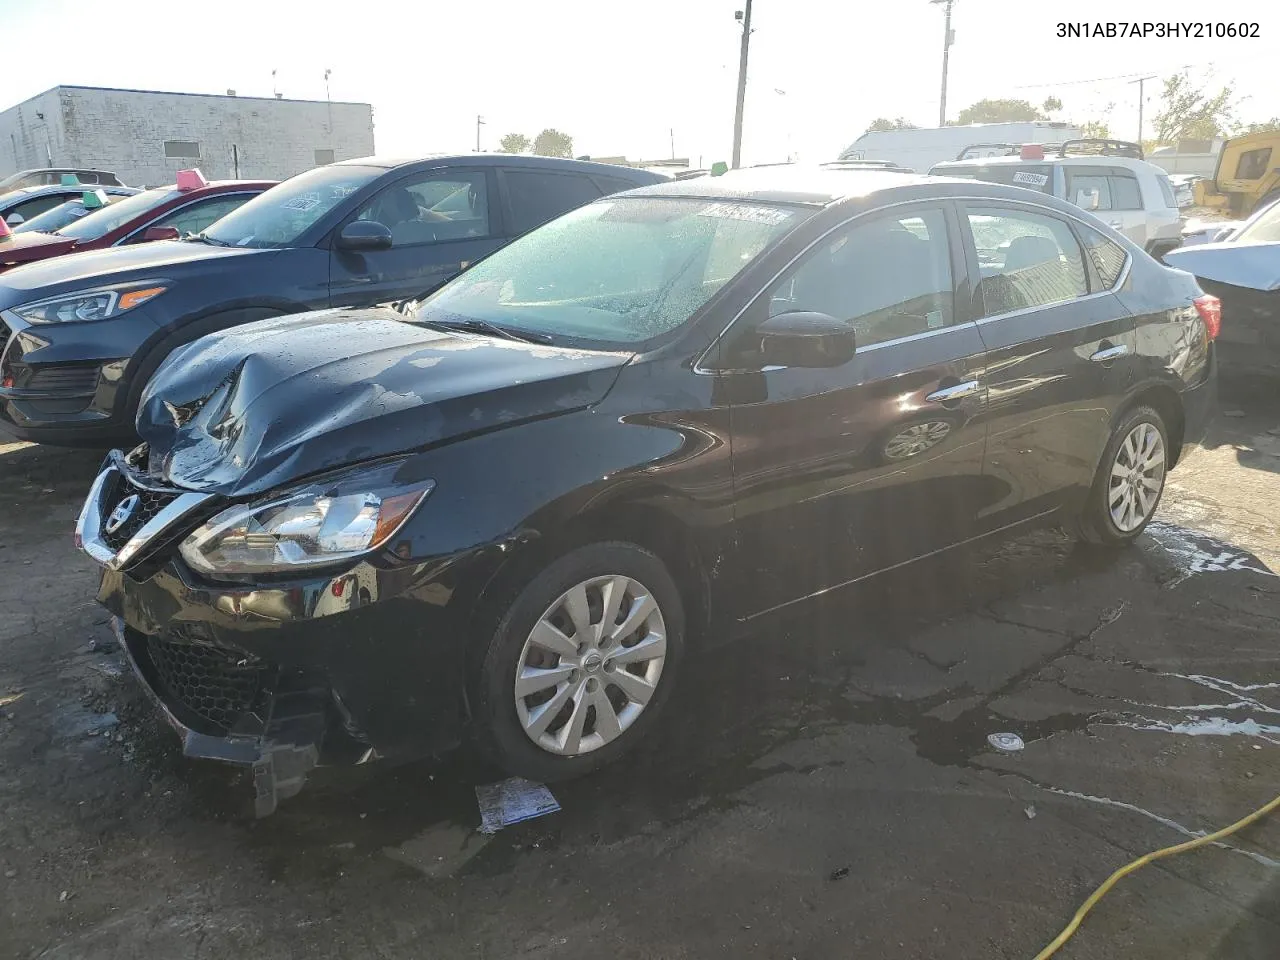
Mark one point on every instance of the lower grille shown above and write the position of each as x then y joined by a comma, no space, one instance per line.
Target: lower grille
215,685
74,380
148,504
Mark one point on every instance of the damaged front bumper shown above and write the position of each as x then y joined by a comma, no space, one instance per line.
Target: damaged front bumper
331,668
281,753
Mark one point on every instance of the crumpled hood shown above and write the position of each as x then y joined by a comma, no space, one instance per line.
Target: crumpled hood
245,410
1252,265
32,245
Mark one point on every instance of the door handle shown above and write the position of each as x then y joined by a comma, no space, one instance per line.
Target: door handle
1110,353
957,392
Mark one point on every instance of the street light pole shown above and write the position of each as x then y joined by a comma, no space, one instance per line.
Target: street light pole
745,16
947,38
479,124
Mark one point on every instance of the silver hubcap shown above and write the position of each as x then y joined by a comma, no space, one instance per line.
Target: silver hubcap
590,666
917,439
1137,476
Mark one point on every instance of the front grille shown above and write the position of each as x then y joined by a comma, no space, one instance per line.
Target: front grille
74,380
150,503
212,684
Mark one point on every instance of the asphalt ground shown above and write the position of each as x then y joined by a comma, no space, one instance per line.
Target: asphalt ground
826,790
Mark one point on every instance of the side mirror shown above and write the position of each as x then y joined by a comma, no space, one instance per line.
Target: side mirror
14,219
159,233
805,339
364,235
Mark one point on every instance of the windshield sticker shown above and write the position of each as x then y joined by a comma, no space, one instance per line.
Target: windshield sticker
303,203
1033,179
748,212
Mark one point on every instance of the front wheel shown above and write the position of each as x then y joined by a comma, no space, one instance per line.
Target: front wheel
581,663
1129,482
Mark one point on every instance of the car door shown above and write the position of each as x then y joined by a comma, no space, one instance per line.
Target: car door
1113,195
440,220
532,197
1060,352
840,473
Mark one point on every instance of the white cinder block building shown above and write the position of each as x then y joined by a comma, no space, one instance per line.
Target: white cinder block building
146,136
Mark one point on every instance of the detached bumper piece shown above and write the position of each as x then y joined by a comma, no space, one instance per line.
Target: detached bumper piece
237,709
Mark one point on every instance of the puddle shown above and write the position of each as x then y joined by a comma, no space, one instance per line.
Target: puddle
441,850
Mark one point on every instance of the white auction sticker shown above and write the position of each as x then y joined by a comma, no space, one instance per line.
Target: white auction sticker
750,212
1033,179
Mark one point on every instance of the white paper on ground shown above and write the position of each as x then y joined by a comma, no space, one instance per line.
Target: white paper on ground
512,801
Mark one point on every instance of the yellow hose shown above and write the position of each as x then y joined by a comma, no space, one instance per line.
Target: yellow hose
1142,861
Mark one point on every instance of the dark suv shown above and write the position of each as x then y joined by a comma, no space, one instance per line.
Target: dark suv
85,333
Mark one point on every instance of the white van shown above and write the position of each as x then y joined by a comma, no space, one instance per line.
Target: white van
1132,195
919,149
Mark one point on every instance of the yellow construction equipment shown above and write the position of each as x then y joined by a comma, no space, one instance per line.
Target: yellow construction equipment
1247,176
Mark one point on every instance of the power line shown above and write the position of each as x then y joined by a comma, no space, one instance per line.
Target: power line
1119,76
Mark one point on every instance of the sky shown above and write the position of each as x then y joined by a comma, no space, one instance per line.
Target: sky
630,78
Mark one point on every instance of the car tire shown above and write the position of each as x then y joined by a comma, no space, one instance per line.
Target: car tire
537,631
1130,480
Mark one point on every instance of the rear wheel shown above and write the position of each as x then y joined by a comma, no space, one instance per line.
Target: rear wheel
581,663
1129,482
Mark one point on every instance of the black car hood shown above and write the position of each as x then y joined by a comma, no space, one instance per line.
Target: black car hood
245,410
92,268
1252,265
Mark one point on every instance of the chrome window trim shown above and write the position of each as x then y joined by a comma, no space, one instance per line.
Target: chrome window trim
89,524
701,370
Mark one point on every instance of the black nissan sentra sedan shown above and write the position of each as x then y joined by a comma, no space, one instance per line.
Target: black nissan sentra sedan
650,425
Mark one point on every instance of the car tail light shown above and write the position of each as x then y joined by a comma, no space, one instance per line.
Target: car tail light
1210,309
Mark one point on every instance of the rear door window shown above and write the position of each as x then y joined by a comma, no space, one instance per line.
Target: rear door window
535,197
1026,259
1125,194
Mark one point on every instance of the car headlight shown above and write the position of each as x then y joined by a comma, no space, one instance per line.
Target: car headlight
319,522
87,304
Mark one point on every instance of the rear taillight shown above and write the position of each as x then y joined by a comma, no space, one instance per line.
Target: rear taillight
1210,309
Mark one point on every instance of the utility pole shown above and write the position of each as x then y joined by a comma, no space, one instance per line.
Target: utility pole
479,124
1141,82
673,143
743,15
948,38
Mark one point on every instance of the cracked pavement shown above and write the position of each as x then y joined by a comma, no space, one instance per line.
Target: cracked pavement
824,790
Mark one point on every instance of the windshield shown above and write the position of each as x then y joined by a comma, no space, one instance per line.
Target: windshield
278,217
103,221
620,271
51,220
1265,228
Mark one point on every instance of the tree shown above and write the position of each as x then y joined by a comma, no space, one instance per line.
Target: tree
514,143
1096,130
1190,113
1266,126
552,143
1051,105
999,111
882,124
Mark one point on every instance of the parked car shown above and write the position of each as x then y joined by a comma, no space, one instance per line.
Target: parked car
54,176
18,206
1244,272
1106,177
86,332
665,417
165,213
1184,188
68,212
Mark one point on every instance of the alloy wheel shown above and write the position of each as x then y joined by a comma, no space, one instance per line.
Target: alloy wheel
590,665
1137,477
916,439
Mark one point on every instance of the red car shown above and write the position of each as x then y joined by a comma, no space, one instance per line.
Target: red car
164,213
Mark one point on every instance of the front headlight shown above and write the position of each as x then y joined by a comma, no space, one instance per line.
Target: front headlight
88,304
319,522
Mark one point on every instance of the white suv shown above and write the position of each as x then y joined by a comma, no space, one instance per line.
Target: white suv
1114,183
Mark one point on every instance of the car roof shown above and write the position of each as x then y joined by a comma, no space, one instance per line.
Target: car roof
511,160
790,183
10,196
1091,159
